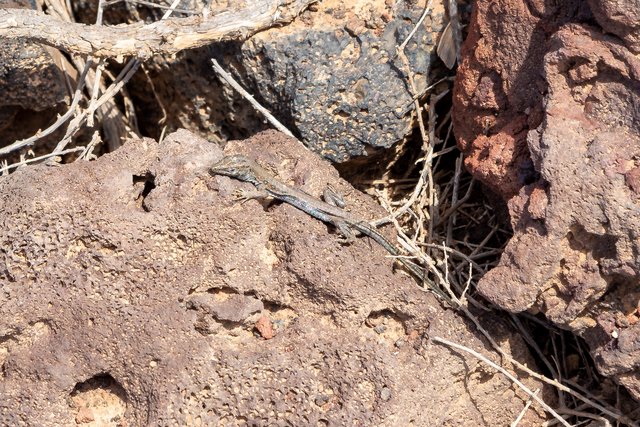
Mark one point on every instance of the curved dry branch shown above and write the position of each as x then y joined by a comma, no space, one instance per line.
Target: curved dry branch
167,36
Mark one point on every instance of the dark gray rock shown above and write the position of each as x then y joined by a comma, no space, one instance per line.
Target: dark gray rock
333,76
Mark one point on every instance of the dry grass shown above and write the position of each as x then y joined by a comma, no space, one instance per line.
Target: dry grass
438,216
444,222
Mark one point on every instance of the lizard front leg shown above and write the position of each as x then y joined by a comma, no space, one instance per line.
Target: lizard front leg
330,196
333,198
242,195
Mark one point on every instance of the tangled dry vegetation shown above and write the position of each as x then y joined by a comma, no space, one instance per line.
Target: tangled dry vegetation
442,219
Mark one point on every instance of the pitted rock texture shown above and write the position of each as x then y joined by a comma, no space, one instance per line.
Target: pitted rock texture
570,111
332,77
576,252
32,85
135,291
500,86
619,18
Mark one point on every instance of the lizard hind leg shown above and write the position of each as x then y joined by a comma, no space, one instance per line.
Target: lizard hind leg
348,237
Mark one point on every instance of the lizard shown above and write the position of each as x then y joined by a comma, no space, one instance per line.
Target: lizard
266,185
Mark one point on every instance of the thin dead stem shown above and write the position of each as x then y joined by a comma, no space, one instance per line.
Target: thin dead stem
246,95
99,42
524,410
6,168
506,373
440,207
77,96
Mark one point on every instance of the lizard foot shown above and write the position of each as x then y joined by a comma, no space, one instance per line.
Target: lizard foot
348,237
242,195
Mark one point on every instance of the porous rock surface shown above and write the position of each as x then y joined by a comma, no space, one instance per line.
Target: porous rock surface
32,85
551,120
500,86
332,77
137,291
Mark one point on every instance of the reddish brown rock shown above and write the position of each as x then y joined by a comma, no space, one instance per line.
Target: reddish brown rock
500,86
130,286
621,18
498,96
264,328
632,178
575,252
547,111
84,416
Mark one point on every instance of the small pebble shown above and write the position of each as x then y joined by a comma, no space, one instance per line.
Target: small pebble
380,329
385,393
321,399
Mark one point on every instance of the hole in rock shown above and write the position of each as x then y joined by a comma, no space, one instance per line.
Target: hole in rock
99,401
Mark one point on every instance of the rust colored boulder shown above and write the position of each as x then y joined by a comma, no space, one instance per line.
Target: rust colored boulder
548,113
136,291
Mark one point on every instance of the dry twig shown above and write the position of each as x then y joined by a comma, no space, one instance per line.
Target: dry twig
524,410
165,37
506,373
246,95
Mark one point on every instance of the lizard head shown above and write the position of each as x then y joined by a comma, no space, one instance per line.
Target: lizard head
235,166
